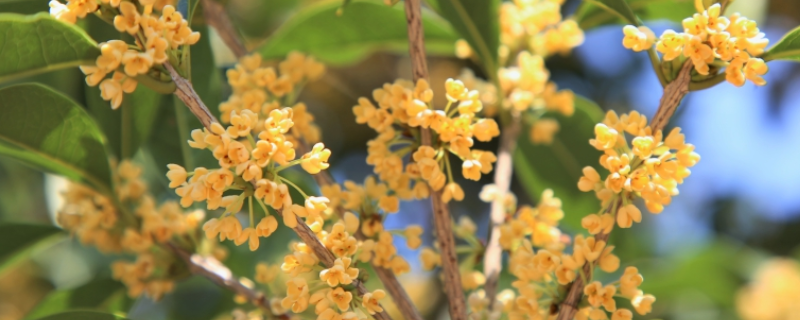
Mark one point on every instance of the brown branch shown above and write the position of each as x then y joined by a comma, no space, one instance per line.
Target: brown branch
673,94
186,93
218,273
217,18
492,259
189,97
441,213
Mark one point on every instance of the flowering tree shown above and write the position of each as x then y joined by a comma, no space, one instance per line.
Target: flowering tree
237,167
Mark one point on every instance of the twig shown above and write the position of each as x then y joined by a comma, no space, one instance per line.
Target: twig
186,93
215,271
492,259
189,97
673,94
215,16
441,213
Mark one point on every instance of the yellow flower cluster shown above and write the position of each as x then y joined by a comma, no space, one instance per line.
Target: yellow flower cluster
403,106
651,167
710,40
252,166
137,228
773,292
261,89
330,290
373,201
527,88
534,25
157,37
540,265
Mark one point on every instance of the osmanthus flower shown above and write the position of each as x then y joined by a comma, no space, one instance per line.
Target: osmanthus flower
771,292
710,40
261,88
398,157
532,25
132,224
250,162
158,29
651,166
528,93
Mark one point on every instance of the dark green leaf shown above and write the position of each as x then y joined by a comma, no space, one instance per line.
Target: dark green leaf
558,166
129,126
17,236
788,48
22,240
82,315
47,130
365,26
477,22
34,44
590,15
92,295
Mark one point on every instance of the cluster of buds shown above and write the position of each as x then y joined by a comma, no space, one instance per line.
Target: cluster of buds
158,35
138,228
261,89
251,165
710,41
403,109
650,167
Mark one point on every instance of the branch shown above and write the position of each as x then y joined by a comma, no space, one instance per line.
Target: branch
215,16
492,259
186,93
189,97
441,213
673,94
215,271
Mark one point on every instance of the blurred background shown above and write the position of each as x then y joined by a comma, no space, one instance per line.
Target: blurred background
739,209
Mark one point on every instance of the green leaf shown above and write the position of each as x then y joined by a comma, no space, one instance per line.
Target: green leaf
92,295
47,130
477,22
707,270
18,236
558,166
788,48
590,15
20,240
364,27
35,44
129,126
83,315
